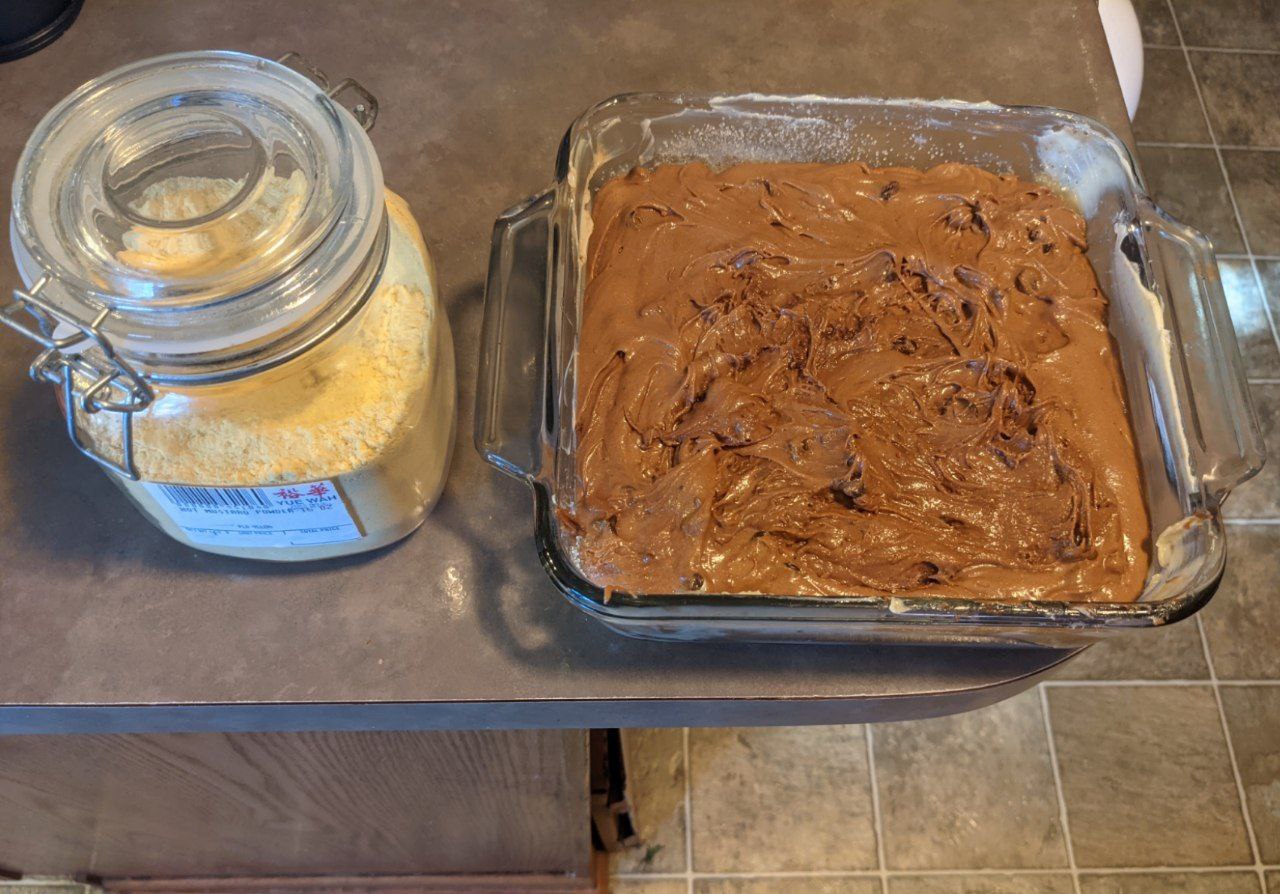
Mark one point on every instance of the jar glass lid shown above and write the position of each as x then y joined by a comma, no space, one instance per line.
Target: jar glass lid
165,188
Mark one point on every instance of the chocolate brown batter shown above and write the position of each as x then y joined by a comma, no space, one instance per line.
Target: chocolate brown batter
835,379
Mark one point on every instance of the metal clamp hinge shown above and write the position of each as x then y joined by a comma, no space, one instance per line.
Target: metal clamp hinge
93,378
364,105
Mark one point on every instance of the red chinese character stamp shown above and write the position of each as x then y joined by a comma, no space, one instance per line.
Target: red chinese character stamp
288,493
319,489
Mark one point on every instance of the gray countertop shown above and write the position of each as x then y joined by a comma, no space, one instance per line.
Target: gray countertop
107,625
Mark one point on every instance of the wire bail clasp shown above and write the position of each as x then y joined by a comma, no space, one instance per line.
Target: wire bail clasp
93,377
364,107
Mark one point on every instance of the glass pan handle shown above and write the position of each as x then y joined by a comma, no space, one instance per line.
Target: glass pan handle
1226,435
513,354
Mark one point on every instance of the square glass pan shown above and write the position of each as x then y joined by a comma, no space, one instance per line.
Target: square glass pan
1195,428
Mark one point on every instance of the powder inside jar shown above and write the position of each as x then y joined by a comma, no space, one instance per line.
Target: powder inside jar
334,409
223,243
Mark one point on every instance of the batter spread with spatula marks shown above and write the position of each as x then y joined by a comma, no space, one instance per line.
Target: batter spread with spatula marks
834,379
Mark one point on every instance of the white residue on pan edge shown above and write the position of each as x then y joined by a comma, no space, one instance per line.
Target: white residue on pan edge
1175,561
794,134
717,101
1144,314
1072,161
1179,556
586,226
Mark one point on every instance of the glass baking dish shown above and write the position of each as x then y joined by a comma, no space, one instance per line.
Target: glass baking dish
1194,425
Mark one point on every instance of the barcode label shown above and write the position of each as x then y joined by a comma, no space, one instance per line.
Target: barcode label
210,497
308,514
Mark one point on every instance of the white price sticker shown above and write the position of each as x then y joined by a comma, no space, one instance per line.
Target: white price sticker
285,515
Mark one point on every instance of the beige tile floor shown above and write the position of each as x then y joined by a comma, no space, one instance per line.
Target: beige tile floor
1145,766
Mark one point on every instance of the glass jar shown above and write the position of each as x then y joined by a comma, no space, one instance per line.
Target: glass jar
242,322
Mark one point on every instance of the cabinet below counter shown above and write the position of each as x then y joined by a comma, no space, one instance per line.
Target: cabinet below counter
187,807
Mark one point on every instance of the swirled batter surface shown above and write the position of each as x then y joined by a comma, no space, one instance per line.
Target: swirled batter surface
835,379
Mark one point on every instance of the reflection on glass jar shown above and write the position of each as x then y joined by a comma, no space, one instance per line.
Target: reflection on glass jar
244,322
